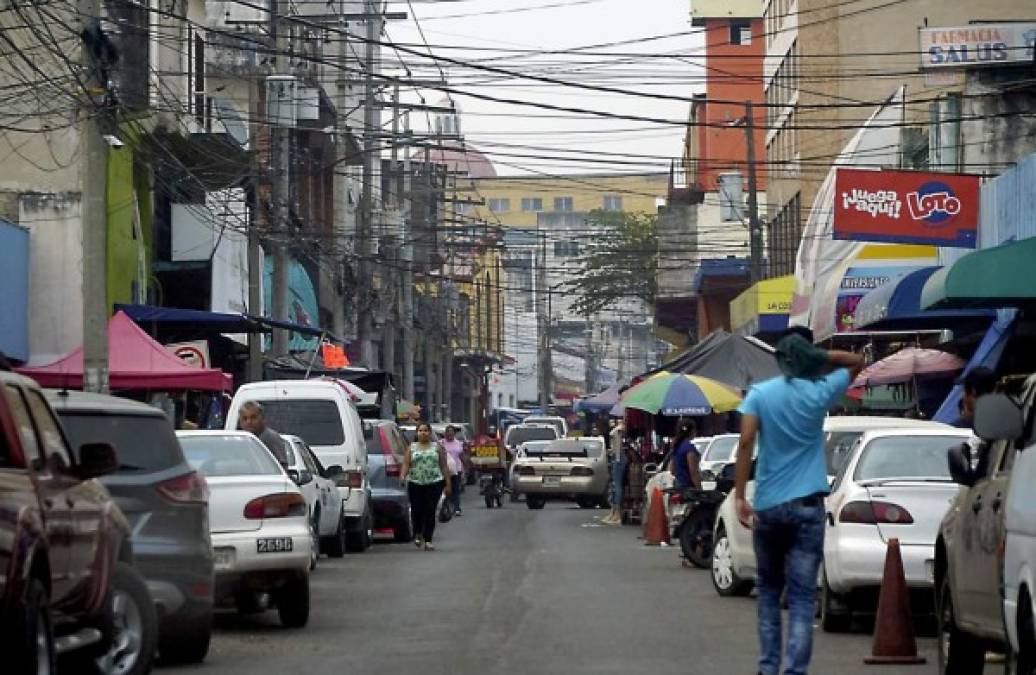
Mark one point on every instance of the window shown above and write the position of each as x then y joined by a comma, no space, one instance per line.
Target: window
740,32
500,205
229,456
143,442
532,204
463,208
53,443
612,203
26,432
566,249
316,421
563,204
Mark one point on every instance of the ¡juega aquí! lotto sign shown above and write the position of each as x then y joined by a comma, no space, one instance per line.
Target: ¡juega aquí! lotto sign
907,207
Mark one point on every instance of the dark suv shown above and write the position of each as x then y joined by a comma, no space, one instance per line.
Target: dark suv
166,503
67,585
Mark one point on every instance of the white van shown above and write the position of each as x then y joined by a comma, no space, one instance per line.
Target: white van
323,414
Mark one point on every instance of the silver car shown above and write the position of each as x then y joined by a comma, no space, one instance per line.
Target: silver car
567,467
325,507
894,484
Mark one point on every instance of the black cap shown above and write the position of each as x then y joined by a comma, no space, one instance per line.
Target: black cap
980,379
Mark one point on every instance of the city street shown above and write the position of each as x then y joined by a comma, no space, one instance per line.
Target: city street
516,591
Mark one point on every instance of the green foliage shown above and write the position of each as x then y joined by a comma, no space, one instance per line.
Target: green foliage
620,262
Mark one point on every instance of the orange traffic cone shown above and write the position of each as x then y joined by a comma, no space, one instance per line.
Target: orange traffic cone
894,626
656,530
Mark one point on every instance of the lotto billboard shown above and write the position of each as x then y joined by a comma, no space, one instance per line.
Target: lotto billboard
907,207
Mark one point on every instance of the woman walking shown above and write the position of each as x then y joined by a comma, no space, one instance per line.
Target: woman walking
455,463
425,473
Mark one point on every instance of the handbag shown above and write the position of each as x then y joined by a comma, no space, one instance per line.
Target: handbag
445,510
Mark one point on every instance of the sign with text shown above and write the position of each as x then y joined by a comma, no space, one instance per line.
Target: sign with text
908,207
980,44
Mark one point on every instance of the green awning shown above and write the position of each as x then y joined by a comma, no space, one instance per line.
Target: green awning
993,277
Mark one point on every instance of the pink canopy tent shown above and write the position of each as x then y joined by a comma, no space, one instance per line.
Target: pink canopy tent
135,361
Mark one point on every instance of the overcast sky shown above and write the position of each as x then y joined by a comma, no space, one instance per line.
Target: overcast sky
479,31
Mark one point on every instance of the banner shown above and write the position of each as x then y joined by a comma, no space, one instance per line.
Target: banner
907,207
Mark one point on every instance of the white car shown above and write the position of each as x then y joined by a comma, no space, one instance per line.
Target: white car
717,454
733,557
894,484
261,539
558,423
321,493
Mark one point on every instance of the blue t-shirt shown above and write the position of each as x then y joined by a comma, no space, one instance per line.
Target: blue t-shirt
791,415
679,462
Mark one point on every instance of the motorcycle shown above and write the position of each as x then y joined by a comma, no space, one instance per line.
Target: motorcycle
693,524
491,487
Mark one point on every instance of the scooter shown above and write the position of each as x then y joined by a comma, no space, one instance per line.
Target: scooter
491,487
694,523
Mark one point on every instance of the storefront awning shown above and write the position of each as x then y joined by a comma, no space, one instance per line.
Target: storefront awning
897,305
202,321
763,308
994,277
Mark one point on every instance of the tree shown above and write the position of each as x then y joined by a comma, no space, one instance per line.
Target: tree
620,263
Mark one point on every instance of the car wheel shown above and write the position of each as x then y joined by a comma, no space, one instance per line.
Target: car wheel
724,579
133,641
335,544
835,614
185,642
404,531
959,652
33,648
604,501
314,536
586,501
535,502
360,540
293,602
1023,662
696,538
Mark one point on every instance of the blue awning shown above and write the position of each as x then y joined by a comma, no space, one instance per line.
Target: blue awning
214,322
897,304
720,267
988,354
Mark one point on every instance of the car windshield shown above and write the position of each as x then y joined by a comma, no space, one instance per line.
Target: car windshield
906,456
837,446
565,446
316,421
141,442
535,446
215,455
519,435
721,449
555,422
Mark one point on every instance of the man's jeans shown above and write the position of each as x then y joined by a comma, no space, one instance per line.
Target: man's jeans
789,546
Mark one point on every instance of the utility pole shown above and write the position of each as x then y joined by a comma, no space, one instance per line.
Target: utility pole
755,230
589,362
344,219
365,326
542,321
283,89
407,281
94,209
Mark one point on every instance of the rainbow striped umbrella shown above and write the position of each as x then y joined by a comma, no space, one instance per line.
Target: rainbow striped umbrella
674,394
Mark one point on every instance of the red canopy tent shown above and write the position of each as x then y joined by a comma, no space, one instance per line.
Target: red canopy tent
135,361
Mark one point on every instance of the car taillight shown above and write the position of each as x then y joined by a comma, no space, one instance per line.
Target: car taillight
675,498
526,471
393,468
582,471
355,479
279,505
189,488
872,513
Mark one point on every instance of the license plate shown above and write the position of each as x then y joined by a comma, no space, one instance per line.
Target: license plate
278,545
552,481
223,558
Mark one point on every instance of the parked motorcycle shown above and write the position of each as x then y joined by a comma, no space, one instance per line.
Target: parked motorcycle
693,525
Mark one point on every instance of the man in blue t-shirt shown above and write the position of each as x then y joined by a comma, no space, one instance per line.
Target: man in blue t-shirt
786,415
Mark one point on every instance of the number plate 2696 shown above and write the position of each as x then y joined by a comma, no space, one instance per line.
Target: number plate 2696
277,545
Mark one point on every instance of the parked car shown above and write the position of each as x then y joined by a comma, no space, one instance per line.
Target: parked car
67,585
567,467
523,450
166,503
984,583
386,448
323,413
717,454
322,501
555,421
894,484
261,539
521,433
733,557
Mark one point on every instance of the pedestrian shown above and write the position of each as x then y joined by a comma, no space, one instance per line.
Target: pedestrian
252,418
455,463
978,381
425,473
786,415
617,456
686,460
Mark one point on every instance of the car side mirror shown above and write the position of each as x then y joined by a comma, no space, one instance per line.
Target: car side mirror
959,461
302,477
998,418
96,459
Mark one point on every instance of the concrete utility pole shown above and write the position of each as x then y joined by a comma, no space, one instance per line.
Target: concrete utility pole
344,219
280,165
755,230
407,281
365,321
589,358
94,210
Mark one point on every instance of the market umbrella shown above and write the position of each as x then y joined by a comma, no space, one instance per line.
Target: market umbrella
602,402
908,364
673,394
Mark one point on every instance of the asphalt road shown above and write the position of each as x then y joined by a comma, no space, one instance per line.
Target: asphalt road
516,591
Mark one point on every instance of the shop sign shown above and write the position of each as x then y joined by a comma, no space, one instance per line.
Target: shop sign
908,207
981,44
